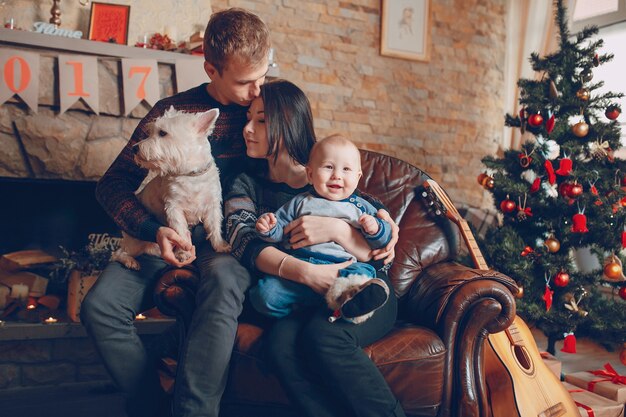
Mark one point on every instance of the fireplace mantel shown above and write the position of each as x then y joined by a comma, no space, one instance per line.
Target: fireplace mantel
28,39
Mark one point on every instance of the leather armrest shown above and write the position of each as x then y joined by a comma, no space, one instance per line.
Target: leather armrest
446,290
463,305
175,292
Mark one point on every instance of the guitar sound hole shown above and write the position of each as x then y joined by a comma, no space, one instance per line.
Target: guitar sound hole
522,357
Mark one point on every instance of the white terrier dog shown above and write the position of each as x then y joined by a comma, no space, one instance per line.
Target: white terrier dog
186,188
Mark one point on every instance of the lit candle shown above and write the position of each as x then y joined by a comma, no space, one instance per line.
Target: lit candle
4,293
50,320
19,291
140,317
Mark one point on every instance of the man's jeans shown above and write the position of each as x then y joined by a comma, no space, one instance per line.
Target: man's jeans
119,294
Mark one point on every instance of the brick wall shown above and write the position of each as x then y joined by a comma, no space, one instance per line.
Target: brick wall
443,115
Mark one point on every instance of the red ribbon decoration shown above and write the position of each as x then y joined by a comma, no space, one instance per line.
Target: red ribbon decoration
588,409
610,374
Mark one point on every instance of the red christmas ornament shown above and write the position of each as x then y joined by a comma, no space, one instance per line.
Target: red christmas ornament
575,190
550,124
622,293
527,251
507,206
535,185
561,279
564,189
580,223
550,170
612,112
569,344
535,120
547,297
624,239
565,166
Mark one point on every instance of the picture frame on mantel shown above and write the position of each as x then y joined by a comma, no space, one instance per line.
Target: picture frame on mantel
405,29
109,22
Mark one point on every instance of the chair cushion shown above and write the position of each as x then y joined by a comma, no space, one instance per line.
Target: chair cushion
411,359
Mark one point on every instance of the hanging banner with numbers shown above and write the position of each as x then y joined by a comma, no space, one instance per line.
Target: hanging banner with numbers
141,82
78,79
20,76
190,73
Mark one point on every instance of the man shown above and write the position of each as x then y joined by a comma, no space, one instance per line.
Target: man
236,49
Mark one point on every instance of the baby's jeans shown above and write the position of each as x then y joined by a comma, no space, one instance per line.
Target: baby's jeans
278,297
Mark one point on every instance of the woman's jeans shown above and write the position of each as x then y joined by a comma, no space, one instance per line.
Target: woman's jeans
108,312
278,297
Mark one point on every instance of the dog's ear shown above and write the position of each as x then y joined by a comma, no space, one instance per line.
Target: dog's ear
206,121
170,112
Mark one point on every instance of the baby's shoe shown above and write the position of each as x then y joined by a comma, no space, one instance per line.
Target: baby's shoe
356,298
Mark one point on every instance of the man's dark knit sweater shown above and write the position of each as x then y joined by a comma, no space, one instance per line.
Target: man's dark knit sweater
116,189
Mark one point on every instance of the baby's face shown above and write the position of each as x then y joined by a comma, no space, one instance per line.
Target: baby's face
334,171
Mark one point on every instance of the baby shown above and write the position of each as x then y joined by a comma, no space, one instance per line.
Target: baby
334,170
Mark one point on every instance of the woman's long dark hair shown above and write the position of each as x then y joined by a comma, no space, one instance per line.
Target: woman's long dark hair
288,116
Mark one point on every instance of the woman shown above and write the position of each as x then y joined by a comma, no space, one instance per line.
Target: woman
321,365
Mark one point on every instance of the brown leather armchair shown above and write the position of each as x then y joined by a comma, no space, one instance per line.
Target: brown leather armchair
433,358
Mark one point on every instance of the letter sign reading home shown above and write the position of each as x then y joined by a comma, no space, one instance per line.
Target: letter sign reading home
20,76
141,82
78,79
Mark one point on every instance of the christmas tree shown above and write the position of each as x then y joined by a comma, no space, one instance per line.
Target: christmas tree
563,193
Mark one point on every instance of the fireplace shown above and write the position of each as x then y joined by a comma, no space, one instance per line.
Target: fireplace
46,214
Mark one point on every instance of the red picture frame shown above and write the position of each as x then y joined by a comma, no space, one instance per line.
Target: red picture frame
109,22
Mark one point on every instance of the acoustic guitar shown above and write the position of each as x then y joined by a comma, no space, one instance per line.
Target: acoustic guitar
518,381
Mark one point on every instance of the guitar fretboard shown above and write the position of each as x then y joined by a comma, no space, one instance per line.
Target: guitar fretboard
474,250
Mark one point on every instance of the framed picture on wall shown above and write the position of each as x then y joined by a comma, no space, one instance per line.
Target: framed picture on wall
109,22
405,27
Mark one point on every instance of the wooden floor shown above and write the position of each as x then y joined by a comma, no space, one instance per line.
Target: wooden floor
104,401
589,355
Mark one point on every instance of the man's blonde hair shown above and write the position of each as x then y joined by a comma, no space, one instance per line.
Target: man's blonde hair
235,33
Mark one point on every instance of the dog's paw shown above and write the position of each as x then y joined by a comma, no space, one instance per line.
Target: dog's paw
125,259
182,255
222,247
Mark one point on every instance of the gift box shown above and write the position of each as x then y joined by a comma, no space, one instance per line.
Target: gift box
594,405
552,363
77,288
605,382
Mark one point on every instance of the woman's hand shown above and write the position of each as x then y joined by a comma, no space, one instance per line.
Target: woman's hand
320,277
311,230
388,252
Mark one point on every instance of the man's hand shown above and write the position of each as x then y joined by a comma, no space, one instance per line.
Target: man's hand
311,230
168,240
388,252
368,224
265,223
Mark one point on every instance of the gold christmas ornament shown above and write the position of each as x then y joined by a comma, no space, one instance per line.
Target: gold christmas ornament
520,291
613,269
552,244
583,94
580,129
